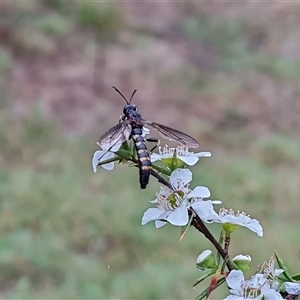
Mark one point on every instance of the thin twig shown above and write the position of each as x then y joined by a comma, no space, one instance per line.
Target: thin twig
199,225
161,179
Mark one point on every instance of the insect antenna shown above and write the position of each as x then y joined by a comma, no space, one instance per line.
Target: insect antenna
132,95
123,95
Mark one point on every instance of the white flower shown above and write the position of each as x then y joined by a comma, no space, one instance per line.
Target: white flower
172,205
104,154
227,216
292,288
182,152
256,287
270,272
108,152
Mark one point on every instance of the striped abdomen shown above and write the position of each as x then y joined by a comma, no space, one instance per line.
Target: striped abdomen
143,156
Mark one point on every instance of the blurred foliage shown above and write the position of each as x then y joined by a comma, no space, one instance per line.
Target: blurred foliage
53,24
105,19
5,61
68,233
238,44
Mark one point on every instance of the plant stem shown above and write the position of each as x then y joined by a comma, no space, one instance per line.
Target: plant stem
200,226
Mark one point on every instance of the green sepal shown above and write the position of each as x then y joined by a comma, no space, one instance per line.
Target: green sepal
235,266
162,169
173,165
282,266
205,292
209,262
244,265
206,273
230,228
174,161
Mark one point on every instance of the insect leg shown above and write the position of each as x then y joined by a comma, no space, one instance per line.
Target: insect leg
153,140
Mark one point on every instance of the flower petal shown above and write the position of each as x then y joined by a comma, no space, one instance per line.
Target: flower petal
205,211
270,294
235,279
292,287
189,160
199,192
151,214
180,178
234,297
254,226
179,217
155,157
153,201
102,155
203,154
159,223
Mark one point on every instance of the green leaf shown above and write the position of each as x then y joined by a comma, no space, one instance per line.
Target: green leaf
224,263
221,241
162,169
282,266
185,228
126,146
115,158
205,292
296,277
124,154
206,273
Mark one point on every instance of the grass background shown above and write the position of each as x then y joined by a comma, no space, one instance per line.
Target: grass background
225,73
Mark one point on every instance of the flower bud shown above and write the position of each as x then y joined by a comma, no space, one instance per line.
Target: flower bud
242,261
206,260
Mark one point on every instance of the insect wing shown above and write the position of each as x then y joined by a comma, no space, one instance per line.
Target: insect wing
114,137
175,135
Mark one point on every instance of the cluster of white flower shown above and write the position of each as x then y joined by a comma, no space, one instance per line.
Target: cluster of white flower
263,285
176,204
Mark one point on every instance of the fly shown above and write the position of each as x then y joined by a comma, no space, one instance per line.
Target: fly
131,127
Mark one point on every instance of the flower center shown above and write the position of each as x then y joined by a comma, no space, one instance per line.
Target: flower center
181,150
168,199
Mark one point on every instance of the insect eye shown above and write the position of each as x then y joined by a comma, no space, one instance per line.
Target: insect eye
125,110
134,108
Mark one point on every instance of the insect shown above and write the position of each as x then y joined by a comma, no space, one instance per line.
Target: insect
130,127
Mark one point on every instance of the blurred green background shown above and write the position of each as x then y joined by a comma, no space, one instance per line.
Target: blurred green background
226,73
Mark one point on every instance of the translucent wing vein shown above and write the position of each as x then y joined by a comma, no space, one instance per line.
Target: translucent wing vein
116,135
173,134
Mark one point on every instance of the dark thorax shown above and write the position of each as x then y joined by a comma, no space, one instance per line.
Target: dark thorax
132,115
